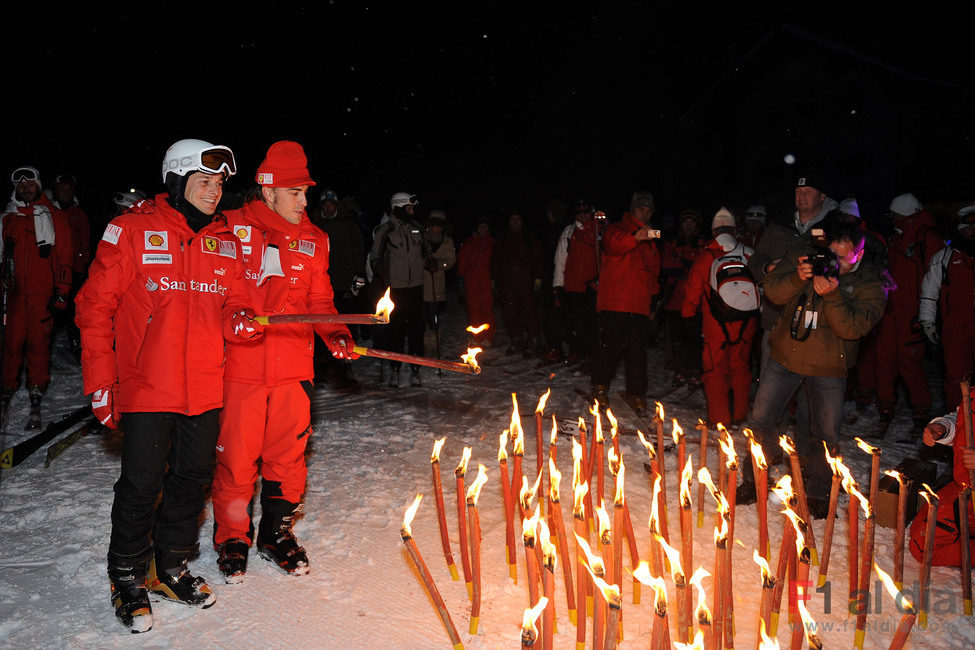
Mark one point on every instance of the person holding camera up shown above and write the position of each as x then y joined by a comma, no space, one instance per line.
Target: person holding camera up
831,298
628,281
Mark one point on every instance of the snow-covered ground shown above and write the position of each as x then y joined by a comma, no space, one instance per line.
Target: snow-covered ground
369,457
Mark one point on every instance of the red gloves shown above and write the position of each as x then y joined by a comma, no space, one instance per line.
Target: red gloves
341,344
244,326
103,406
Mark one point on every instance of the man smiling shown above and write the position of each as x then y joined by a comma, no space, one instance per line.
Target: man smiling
268,382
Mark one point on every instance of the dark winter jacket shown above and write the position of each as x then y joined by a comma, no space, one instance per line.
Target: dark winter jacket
346,255
517,259
398,251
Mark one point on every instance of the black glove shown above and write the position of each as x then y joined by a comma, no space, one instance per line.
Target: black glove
57,303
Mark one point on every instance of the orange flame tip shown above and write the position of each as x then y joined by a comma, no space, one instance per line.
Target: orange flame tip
554,436
686,475
786,443
545,539
474,491
502,446
593,562
647,444
478,329
578,497
464,459
384,307
673,556
763,566
409,515
619,497
554,480
531,615
676,431
529,524
542,400
757,452
471,357
902,601
865,446
605,525
659,412
437,446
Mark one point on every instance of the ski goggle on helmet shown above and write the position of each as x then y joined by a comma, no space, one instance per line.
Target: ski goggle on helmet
188,156
22,174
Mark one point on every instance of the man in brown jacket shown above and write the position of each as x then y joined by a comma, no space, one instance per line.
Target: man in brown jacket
830,300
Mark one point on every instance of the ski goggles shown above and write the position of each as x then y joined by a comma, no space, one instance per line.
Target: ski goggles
25,174
66,178
211,160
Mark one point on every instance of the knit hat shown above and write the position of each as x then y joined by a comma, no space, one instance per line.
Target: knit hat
285,165
755,213
905,205
641,200
723,219
810,181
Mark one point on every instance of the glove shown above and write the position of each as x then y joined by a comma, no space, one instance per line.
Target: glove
558,295
358,282
931,332
103,406
341,344
57,303
244,325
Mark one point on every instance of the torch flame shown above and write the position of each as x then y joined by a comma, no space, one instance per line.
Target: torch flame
894,474
783,488
528,526
576,463
597,423
548,548
800,526
437,445
929,495
553,438
405,530
517,433
767,576
502,446
464,459
384,307
673,556
701,612
541,401
865,446
756,449
676,431
808,623
654,506
832,460
471,358
659,412
686,475
613,460
578,496
474,491
610,592
478,329
786,443
613,424
593,562
704,476
728,447
902,601
605,525
531,615
619,498
554,480
697,644
646,443
767,642
864,502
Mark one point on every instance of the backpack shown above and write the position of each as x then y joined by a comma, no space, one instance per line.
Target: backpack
732,293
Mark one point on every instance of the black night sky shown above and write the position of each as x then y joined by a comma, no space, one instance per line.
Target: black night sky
476,108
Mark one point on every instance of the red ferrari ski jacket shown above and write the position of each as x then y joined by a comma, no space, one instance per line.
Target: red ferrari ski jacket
284,354
151,312
630,269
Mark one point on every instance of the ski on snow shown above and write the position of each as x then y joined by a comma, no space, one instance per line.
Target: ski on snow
56,449
13,456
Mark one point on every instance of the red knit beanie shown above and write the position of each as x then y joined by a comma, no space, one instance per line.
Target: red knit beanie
285,165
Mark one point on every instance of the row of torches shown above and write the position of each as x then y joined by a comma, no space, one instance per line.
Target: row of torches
596,589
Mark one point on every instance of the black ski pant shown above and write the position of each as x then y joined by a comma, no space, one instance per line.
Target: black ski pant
621,335
172,453
406,324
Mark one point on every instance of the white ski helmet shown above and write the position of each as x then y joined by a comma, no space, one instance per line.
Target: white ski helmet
187,156
401,199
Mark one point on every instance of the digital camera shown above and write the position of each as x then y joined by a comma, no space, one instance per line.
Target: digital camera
824,261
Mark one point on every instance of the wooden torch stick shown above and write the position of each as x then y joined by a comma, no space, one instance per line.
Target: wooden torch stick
441,510
558,529
925,569
474,518
509,508
418,360
465,554
703,428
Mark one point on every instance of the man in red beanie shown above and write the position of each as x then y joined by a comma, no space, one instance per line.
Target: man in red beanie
268,380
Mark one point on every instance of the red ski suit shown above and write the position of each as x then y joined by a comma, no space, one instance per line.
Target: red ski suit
898,333
474,266
725,361
630,272
36,280
947,547
266,415
151,311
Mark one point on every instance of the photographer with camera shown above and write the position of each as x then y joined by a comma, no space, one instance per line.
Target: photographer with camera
831,298
629,279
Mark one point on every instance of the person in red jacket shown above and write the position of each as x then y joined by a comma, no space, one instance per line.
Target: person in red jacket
909,252
947,430
576,277
677,255
266,419
152,320
726,356
66,201
474,272
628,280
37,242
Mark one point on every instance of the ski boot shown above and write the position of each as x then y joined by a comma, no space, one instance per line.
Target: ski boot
35,394
232,560
130,598
170,578
415,376
276,542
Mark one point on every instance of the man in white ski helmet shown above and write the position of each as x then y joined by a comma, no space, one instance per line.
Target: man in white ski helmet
397,257
152,332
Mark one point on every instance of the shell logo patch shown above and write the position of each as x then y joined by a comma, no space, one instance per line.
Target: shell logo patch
156,240
243,233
